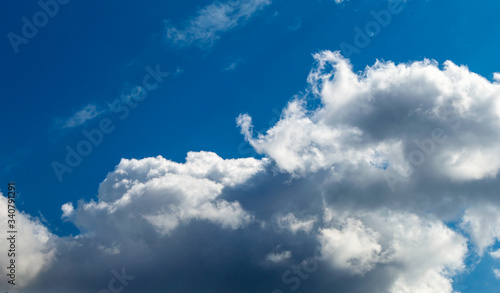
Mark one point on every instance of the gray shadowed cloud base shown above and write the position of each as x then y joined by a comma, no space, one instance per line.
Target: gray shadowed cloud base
352,196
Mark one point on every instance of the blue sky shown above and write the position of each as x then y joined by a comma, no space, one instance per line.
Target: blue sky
254,60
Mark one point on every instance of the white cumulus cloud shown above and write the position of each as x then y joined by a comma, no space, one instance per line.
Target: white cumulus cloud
167,194
369,177
34,246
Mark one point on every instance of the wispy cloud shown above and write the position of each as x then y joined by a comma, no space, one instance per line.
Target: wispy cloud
205,27
497,273
276,257
495,254
232,66
88,112
297,24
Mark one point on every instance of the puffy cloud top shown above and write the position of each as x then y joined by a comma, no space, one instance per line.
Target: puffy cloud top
165,193
385,113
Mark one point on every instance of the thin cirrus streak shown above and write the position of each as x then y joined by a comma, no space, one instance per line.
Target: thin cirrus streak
209,22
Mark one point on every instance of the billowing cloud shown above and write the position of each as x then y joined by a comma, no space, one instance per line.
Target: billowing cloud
166,194
352,247
387,185
482,222
32,247
421,252
406,115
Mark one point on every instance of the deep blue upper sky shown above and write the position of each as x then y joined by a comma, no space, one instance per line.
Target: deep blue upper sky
91,51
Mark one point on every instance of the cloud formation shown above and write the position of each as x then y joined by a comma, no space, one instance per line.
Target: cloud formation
497,273
387,186
408,102
35,246
166,194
